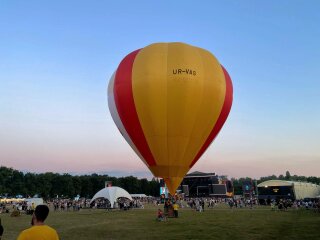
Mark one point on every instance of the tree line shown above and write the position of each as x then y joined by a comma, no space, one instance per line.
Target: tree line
50,185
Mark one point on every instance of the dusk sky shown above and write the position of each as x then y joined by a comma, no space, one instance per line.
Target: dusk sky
56,59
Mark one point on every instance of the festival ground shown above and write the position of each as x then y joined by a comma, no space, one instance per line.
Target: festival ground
218,223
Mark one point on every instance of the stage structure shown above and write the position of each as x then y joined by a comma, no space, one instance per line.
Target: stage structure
199,184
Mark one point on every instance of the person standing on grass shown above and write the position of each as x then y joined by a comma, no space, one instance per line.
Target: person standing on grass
39,231
175,209
166,208
202,205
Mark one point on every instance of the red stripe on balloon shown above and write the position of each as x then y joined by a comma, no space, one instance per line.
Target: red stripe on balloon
123,97
222,117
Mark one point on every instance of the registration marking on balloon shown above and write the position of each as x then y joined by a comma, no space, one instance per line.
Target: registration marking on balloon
184,71
167,123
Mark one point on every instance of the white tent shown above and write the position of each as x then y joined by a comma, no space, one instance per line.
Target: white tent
112,194
35,201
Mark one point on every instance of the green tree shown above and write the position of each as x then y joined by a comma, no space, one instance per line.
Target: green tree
288,176
77,184
30,187
13,182
86,187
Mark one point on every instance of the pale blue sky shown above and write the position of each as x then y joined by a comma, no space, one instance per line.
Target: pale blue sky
56,60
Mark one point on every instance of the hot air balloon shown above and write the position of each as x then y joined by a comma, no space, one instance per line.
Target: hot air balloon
169,101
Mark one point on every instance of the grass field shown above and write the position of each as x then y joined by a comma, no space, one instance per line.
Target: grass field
219,223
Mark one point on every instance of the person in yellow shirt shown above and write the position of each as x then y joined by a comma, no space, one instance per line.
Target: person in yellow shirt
39,231
175,209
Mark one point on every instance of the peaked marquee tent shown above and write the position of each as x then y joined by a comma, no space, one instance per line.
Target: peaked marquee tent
112,194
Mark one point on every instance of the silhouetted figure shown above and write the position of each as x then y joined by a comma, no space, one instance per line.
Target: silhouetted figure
1,229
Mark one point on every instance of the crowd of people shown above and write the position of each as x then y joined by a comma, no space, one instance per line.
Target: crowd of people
311,204
284,204
199,204
170,208
69,204
21,206
121,203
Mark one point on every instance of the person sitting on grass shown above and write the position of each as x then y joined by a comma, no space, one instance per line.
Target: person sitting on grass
161,216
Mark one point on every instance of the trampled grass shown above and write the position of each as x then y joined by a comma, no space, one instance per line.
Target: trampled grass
219,223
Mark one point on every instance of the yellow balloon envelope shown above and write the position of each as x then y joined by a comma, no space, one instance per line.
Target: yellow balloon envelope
169,101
